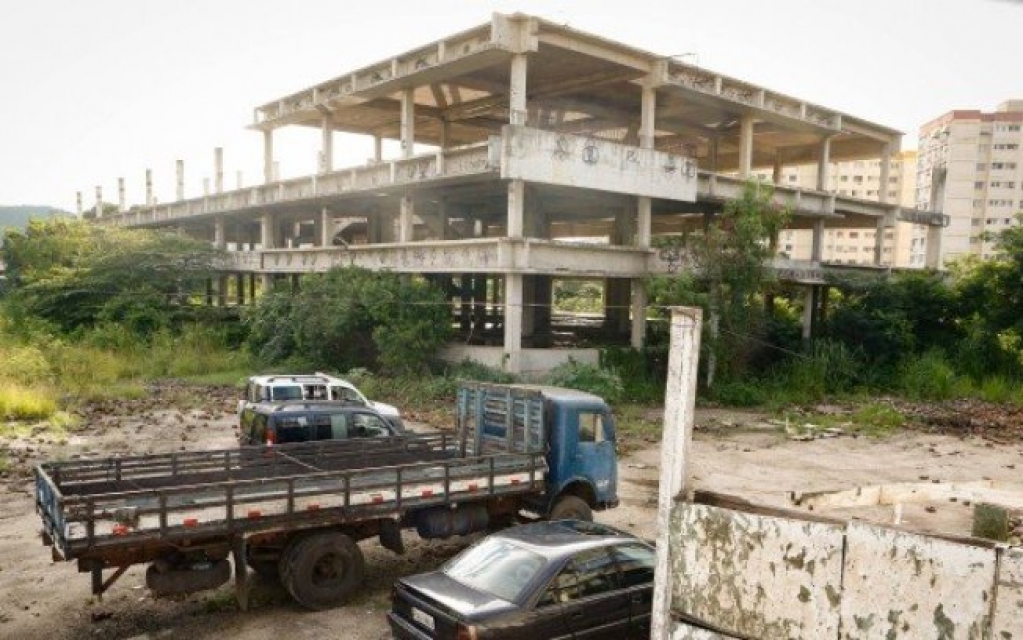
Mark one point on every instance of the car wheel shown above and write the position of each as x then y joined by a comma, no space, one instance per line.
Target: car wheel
322,570
571,508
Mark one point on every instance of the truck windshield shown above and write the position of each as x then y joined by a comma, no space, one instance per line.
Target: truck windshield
497,567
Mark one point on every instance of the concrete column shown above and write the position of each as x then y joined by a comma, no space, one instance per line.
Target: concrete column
616,305
179,189
406,221
879,241
445,134
516,208
268,155
776,173
378,149
543,291
219,237
637,336
327,144
886,162
817,247
513,323
326,227
99,202
149,188
643,221
266,235
648,118
808,303
408,123
239,289
933,256
238,180
823,163
715,146
78,203
205,187
121,205
517,90
745,146
528,306
218,169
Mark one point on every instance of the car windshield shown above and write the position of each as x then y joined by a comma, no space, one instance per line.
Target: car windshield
497,567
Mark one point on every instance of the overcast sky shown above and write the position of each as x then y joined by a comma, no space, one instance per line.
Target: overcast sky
91,90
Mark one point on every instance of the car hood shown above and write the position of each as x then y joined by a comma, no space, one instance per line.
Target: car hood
462,599
386,410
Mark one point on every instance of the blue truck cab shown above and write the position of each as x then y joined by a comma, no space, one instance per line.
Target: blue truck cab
575,429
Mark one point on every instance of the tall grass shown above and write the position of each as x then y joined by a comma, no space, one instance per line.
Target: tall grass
26,403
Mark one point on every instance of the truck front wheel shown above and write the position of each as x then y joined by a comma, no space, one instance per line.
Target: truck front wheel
571,508
322,570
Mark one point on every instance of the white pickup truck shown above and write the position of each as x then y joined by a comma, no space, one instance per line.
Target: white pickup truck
317,386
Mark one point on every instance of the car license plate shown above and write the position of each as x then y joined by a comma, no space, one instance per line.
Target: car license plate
423,618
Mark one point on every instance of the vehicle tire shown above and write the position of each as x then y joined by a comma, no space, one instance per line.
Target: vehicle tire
571,508
322,570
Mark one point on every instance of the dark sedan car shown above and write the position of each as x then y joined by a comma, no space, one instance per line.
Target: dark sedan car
562,579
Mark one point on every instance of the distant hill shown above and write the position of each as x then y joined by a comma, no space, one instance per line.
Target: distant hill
18,215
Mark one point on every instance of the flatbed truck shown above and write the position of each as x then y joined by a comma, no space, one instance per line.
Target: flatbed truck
298,511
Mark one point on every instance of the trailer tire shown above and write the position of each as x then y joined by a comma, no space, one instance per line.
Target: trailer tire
571,508
322,570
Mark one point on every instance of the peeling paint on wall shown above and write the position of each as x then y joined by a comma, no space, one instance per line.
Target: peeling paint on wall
1008,618
756,576
683,631
904,585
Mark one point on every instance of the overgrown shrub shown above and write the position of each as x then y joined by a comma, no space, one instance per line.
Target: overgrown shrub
928,377
587,377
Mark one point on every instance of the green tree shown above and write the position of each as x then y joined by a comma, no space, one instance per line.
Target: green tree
729,271
352,317
73,273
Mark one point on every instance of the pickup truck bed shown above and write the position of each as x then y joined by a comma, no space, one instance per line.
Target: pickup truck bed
106,508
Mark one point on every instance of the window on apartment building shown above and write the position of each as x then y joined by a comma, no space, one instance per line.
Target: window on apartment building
1012,127
888,235
871,192
989,221
1006,220
788,247
981,166
792,178
978,185
893,180
1007,146
844,178
892,194
854,234
854,193
858,179
973,223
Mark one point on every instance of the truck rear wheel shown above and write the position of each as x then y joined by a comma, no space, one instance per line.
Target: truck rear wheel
322,570
571,508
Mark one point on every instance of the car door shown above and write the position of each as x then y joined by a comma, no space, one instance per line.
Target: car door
636,571
592,602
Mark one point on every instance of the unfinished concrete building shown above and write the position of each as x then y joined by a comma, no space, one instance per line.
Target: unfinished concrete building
531,153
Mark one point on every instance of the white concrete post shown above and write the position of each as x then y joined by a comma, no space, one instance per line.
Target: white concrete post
406,223
268,155
408,123
778,166
513,322
149,188
218,169
99,202
266,236
808,314
823,163
639,301
886,162
933,257
180,189
275,170
445,134
517,90
78,198
327,144
121,204
205,187
676,444
647,133
745,146
238,180
516,208
378,149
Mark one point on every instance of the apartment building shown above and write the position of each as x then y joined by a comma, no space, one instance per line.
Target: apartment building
903,245
971,169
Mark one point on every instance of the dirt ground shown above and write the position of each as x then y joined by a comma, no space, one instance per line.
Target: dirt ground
734,452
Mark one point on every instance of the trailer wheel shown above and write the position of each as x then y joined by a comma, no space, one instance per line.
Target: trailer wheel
322,570
571,508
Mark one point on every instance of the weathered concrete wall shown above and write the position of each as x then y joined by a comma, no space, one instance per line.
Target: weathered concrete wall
768,576
903,585
592,163
1008,619
743,573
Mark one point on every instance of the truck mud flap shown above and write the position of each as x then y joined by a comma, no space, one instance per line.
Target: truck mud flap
390,536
